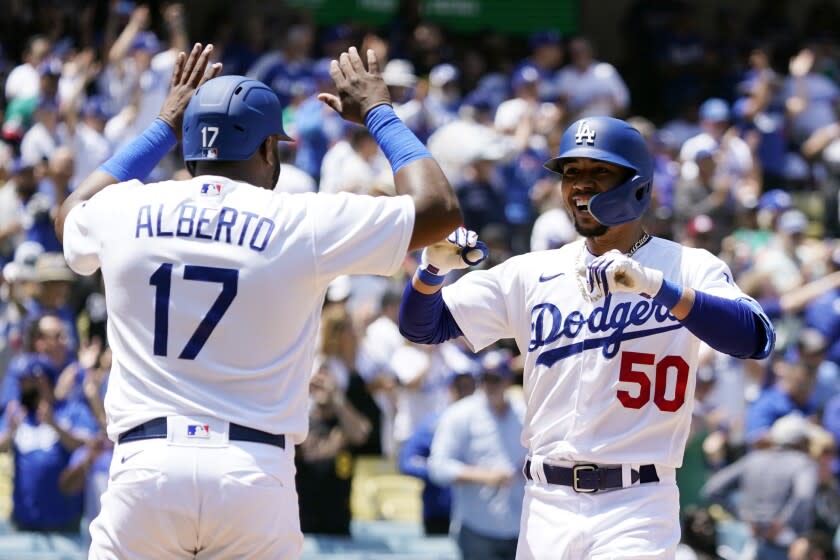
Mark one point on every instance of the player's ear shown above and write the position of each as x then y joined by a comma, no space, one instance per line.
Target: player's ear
267,150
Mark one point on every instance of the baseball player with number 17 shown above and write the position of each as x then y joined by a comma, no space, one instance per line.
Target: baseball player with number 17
214,289
610,327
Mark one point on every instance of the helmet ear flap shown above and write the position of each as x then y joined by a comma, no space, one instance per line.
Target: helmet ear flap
623,204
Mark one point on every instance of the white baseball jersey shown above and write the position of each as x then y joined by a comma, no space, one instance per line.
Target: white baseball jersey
608,382
214,291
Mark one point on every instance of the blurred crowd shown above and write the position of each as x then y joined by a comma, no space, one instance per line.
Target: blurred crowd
745,131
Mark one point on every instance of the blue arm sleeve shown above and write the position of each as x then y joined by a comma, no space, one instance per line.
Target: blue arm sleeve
772,306
748,333
425,319
137,158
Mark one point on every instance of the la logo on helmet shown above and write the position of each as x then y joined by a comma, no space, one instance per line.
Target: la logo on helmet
584,134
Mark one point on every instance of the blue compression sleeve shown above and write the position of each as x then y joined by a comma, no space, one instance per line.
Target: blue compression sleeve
425,319
137,158
736,327
772,306
398,143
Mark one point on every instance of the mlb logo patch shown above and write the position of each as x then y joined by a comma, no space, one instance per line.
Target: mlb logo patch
198,430
211,153
211,189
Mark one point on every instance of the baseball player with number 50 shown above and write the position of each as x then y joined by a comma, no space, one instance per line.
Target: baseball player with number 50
214,287
610,327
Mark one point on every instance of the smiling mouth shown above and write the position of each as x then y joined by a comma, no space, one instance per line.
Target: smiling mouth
581,204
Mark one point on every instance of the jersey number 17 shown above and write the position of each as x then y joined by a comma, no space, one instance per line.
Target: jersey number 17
162,281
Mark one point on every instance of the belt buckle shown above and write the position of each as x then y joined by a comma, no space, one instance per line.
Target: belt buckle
575,470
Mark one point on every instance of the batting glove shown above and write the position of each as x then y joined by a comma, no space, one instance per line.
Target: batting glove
461,249
616,272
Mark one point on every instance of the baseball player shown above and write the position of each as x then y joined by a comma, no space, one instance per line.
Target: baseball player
214,289
610,327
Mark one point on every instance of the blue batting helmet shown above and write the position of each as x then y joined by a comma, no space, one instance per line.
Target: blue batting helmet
229,117
614,141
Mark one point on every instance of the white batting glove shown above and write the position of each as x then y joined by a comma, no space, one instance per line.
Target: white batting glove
461,249
616,272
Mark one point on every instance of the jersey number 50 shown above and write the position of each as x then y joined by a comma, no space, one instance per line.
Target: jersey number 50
663,368
162,281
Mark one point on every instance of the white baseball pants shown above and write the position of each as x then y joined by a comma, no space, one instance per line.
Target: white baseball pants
639,522
198,498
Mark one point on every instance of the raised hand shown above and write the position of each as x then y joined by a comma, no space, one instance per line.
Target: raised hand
89,352
359,89
190,72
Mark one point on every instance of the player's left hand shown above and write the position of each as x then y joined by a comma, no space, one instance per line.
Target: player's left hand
190,72
616,272
359,89
461,249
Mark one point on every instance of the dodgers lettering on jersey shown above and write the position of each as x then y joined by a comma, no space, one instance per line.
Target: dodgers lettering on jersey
610,381
214,291
548,326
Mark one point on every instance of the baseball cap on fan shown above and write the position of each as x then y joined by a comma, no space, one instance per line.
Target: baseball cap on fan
51,267
145,41
544,38
22,267
523,76
792,429
399,73
776,200
495,364
792,222
339,289
714,109
699,225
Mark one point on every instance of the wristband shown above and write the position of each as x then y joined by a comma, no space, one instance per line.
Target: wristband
398,143
430,278
669,294
137,158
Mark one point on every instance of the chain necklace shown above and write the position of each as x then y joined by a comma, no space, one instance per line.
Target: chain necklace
580,269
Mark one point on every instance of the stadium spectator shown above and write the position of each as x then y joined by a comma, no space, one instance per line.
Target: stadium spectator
414,461
777,488
476,450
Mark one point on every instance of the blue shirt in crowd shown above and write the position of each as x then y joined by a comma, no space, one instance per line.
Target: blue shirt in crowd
413,461
771,405
470,433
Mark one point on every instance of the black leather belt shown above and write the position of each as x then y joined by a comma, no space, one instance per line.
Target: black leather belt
591,478
156,428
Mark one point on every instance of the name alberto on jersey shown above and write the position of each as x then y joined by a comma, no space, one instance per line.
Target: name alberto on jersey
232,226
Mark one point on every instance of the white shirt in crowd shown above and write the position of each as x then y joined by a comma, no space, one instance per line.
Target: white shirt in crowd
23,82
598,90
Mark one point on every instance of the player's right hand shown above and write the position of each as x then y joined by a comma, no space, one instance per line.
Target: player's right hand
189,73
461,249
359,89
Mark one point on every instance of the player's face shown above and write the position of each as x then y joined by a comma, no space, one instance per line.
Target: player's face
582,179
